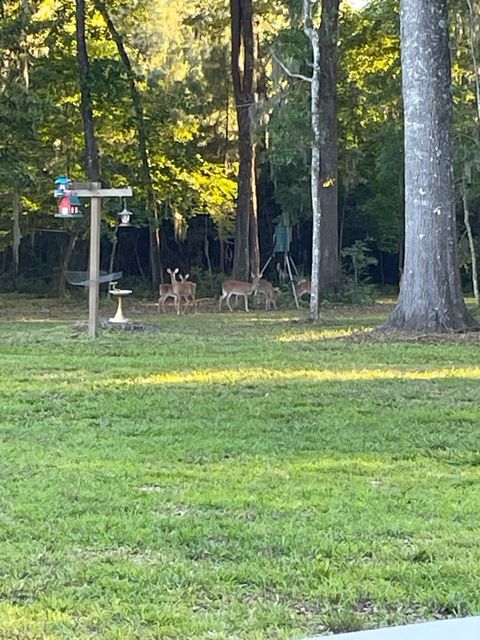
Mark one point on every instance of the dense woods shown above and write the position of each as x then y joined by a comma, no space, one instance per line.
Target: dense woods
204,110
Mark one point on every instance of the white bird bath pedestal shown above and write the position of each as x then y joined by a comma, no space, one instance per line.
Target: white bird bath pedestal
119,294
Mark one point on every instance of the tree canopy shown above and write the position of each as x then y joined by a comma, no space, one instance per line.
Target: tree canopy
165,123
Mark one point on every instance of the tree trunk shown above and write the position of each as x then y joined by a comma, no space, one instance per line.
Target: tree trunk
92,162
136,98
206,251
243,72
254,246
314,38
430,295
113,252
72,241
473,12
329,252
17,235
471,242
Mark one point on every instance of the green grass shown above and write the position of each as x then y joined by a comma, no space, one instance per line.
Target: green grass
233,476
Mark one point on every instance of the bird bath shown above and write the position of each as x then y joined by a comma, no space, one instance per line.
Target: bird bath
119,294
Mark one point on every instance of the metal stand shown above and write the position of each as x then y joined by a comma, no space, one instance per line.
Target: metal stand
288,263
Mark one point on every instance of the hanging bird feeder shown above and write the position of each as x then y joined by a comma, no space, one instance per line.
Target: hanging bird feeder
124,217
62,186
69,206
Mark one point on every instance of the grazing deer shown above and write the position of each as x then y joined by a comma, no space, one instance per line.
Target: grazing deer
182,289
303,288
266,289
237,288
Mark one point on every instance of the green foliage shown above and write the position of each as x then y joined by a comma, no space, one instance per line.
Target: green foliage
180,54
351,292
356,286
359,259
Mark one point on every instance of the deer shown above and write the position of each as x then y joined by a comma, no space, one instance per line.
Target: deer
193,290
237,288
166,291
303,288
182,289
266,289
282,274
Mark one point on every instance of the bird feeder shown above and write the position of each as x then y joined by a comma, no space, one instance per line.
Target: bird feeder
124,217
62,186
69,206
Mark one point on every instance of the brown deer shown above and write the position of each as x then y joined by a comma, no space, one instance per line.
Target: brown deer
303,288
193,290
166,291
182,289
237,288
266,289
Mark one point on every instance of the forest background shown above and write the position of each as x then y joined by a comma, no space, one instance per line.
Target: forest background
177,56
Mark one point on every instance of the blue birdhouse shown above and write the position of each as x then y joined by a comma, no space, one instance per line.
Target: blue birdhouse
62,185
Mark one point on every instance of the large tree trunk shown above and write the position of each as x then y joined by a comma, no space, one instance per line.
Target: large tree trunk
315,184
246,256
329,252
92,162
430,295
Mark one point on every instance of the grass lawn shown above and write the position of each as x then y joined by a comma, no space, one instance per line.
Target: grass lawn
233,476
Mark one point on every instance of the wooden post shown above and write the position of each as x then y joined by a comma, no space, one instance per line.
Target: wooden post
94,268
94,191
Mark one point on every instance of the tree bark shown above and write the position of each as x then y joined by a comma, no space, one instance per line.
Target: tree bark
314,38
136,98
474,22
471,242
92,163
73,236
430,298
329,248
246,254
17,234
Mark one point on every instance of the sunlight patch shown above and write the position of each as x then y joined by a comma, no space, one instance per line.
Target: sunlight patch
233,376
323,334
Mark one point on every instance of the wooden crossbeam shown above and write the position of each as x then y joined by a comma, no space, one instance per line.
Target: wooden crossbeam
88,192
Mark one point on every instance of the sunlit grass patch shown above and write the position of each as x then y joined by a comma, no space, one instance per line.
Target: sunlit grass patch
318,334
253,375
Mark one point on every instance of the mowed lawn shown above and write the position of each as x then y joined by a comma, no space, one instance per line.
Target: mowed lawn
234,476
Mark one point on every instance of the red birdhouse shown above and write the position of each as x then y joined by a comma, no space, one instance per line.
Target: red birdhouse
69,206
